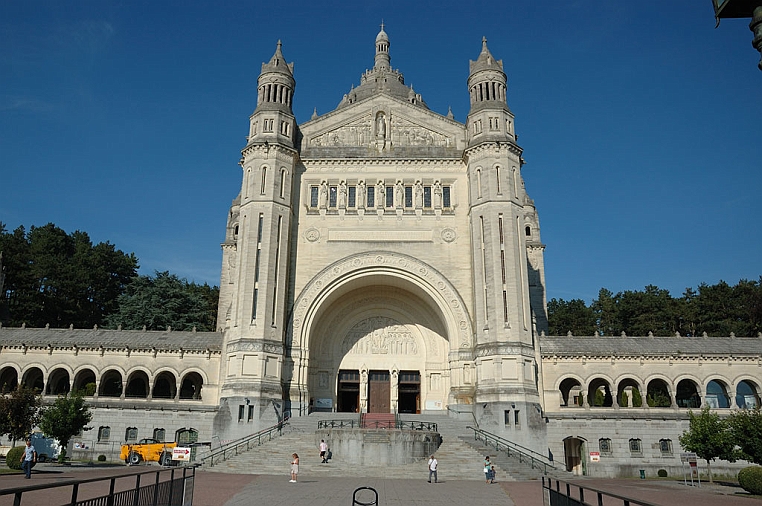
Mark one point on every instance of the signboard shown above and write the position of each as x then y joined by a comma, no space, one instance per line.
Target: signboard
324,403
595,456
689,457
181,453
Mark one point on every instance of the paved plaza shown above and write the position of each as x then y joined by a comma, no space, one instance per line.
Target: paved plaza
219,489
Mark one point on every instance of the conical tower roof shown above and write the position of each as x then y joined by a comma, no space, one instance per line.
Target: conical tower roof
278,63
485,61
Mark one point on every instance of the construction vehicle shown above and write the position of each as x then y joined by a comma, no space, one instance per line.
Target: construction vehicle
147,450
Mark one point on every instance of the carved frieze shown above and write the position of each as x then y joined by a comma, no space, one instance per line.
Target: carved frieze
379,336
255,346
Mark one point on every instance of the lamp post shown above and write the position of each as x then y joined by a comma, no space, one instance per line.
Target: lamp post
743,9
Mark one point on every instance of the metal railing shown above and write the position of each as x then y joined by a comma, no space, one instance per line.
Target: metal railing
561,493
241,445
525,455
157,490
377,424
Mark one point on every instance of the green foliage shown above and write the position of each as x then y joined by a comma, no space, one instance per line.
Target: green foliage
66,418
637,399
166,301
600,398
570,316
101,458
20,411
746,427
658,399
750,479
717,310
13,458
661,473
623,399
709,437
60,279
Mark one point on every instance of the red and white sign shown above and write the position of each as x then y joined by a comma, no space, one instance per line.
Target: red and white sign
595,456
181,453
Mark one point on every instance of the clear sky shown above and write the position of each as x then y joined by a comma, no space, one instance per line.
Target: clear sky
640,122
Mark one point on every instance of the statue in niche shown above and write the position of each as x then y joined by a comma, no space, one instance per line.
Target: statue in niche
381,126
380,194
399,192
437,195
323,203
418,194
361,194
342,195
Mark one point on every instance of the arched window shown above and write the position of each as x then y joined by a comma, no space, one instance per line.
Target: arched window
658,394
9,379
111,384
571,392
262,186
164,386
33,379
191,386
58,382
599,394
528,231
137,385
746,395
717,395
283,174
84,382
687,394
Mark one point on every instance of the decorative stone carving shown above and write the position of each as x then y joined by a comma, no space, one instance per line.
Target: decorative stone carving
448,235
379,335
312,234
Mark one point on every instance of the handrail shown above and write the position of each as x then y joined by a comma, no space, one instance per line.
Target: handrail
537,460
555,496
344,423
246,441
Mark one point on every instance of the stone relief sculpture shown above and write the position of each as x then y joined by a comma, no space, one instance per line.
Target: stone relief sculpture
382,130
418,195
379,336
399,194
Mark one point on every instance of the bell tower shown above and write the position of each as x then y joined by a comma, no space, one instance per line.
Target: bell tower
507,395
256,252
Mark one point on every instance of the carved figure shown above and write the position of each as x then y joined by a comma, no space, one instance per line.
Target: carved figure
342,195
399,192
361,195
437,195
418,195
323,195
380,194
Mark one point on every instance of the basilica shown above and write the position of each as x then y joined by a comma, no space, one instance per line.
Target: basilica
386,258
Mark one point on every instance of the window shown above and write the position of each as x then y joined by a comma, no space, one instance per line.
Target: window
332,192
267,125
371,198
507,417
264,181
427,197
389,196
283,180
604,445
251,414
635,447
408,196
104,433
516,419
131,434
241,412
352,196
159,434
314,192
528,231
446,196
665,446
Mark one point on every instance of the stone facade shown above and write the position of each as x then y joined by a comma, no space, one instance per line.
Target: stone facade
383,257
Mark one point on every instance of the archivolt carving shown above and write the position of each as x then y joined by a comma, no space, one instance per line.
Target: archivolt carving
414,269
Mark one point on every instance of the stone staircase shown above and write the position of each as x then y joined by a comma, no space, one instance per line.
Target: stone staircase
458,459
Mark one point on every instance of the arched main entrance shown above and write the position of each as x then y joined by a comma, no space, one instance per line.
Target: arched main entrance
380,333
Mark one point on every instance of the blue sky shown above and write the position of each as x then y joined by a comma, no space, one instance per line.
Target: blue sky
640,122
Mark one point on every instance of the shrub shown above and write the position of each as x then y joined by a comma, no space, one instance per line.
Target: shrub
750,479
661,473
101,458
13,459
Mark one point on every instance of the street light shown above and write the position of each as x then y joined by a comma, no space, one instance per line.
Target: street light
743,9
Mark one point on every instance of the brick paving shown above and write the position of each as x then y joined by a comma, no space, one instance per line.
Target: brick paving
220,489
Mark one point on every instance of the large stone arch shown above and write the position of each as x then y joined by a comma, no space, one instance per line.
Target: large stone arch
391,294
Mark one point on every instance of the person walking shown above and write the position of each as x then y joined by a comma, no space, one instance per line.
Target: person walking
294,467
433,468
28,459
323,450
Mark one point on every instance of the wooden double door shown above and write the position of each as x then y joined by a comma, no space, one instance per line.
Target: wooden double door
379,392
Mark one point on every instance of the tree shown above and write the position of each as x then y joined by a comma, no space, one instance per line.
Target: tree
66,418
60,279
746,428
166,301
709,437
20,412
570,316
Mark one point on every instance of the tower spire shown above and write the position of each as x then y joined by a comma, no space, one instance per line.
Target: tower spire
383,60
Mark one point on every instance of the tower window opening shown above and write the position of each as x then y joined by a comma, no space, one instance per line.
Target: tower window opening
479,182
528,231
446,197
283,178
497,178
314,192
264,179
